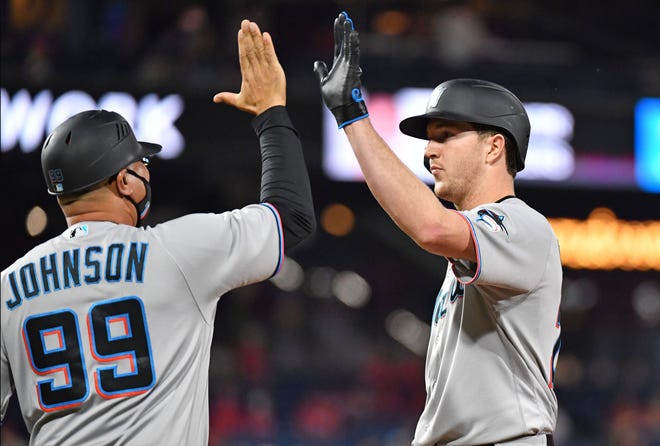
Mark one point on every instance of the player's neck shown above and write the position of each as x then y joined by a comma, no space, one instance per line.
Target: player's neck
97,216
102,204
115,212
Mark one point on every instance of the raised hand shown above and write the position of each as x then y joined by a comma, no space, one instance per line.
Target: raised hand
263,81
341,87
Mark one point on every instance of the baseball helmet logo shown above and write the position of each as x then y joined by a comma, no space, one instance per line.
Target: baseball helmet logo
435,96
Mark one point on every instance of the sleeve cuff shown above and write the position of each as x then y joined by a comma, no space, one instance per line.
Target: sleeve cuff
467,272
280,234
276,116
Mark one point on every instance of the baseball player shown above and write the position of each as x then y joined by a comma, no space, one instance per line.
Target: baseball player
107,328
495,329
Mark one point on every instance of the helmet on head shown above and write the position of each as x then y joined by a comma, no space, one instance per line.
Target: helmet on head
477,102
88,148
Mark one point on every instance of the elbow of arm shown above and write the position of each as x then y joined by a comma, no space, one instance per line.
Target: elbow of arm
297,225
442,241
430,238
307,222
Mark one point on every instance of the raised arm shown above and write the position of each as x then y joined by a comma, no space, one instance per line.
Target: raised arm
406,199
284,177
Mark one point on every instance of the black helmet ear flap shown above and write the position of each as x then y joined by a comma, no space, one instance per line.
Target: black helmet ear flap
427,163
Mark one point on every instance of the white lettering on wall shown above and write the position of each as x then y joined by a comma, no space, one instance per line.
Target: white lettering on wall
26,120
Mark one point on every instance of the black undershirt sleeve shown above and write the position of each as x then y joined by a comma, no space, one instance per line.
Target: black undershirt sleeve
284,178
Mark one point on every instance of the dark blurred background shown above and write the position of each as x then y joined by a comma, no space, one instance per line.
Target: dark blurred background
331,351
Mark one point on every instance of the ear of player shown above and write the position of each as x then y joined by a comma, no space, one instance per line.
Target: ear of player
341,88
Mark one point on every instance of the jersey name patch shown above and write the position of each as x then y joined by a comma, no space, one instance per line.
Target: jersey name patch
75,267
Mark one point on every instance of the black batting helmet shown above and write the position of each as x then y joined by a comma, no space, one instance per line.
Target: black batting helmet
88,148
478,102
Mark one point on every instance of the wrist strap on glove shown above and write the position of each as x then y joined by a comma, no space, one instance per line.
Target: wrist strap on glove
354,111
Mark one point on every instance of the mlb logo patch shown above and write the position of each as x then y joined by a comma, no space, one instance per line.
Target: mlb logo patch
79,231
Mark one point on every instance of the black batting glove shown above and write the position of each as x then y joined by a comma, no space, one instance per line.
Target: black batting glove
341,88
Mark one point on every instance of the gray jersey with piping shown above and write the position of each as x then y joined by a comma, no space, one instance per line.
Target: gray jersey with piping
107,328
495,333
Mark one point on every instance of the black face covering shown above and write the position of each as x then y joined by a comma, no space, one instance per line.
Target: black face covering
143,206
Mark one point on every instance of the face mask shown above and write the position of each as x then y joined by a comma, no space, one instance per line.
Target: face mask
143,206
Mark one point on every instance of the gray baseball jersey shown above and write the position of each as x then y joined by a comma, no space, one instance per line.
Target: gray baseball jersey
107,328
495,333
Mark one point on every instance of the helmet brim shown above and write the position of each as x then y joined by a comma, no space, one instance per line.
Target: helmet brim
149,148
415,126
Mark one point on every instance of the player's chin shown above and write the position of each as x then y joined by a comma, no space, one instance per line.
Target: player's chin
440,189
444,192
